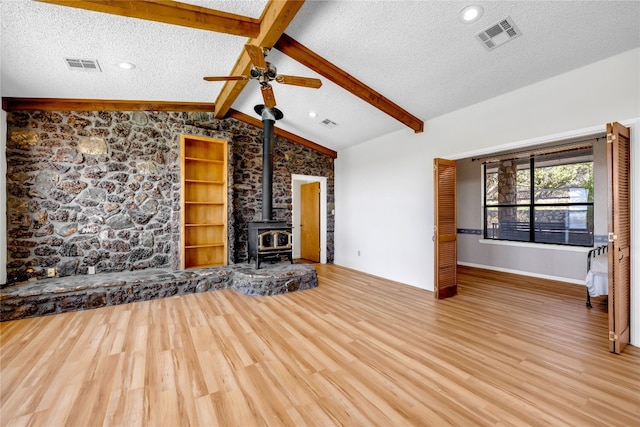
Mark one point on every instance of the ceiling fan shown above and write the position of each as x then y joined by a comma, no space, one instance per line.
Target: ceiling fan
264,72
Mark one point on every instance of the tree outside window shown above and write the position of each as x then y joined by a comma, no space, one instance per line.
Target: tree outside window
541,199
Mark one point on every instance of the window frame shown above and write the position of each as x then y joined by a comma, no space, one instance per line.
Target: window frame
532,205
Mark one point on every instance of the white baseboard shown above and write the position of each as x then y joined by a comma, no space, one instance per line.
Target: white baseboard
523,273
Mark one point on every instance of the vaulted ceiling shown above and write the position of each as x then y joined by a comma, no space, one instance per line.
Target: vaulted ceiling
384,65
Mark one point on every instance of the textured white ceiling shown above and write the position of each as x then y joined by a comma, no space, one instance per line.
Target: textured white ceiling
416,53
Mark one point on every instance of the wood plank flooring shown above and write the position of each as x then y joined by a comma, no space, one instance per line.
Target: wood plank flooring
355,351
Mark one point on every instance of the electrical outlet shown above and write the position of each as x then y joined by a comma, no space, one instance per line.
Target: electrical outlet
92,270
51,272
358,253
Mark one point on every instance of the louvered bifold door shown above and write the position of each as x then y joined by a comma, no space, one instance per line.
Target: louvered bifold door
445,228
619,163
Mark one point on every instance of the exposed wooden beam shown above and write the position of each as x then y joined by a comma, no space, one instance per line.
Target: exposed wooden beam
283,133
315,62
266,32
275,18
60,104
75,104
171,12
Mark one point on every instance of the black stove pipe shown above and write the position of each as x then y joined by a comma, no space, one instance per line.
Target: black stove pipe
269,117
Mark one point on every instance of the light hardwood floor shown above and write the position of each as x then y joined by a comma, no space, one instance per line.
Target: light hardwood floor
357,350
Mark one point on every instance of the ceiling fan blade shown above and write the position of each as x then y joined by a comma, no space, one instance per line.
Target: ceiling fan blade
257,58
299,81
225,78
268,96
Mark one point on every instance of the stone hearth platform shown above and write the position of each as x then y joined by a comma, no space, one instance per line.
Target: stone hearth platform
73,293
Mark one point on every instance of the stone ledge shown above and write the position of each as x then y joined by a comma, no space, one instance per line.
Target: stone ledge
73,293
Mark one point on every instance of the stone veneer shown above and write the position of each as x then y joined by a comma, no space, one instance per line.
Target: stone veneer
64,294
102,189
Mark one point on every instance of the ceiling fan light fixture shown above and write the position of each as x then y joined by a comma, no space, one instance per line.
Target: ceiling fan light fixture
471,13
264,72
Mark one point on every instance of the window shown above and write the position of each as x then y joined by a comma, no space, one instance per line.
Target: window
541,199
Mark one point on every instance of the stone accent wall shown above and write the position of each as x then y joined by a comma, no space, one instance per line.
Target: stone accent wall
288,159
102,189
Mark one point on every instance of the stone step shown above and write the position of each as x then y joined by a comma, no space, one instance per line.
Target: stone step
82,292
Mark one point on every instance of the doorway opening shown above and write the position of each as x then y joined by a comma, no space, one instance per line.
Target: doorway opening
297,181
572,261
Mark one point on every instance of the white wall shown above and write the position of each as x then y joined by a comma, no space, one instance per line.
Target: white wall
3,197
384,187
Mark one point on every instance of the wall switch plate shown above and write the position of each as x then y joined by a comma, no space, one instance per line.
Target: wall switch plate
51,272
92,270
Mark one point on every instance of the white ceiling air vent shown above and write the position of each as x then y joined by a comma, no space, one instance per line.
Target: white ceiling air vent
89,65
498,34
328,123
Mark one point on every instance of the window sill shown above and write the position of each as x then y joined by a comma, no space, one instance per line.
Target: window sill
549,246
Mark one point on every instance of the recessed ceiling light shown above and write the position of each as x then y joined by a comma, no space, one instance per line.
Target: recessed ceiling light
126,65
312,114
471,13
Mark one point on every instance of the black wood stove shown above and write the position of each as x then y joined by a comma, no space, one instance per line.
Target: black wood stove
268,239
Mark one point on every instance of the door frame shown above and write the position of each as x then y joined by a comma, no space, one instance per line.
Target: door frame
619,254
296,182
634,124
